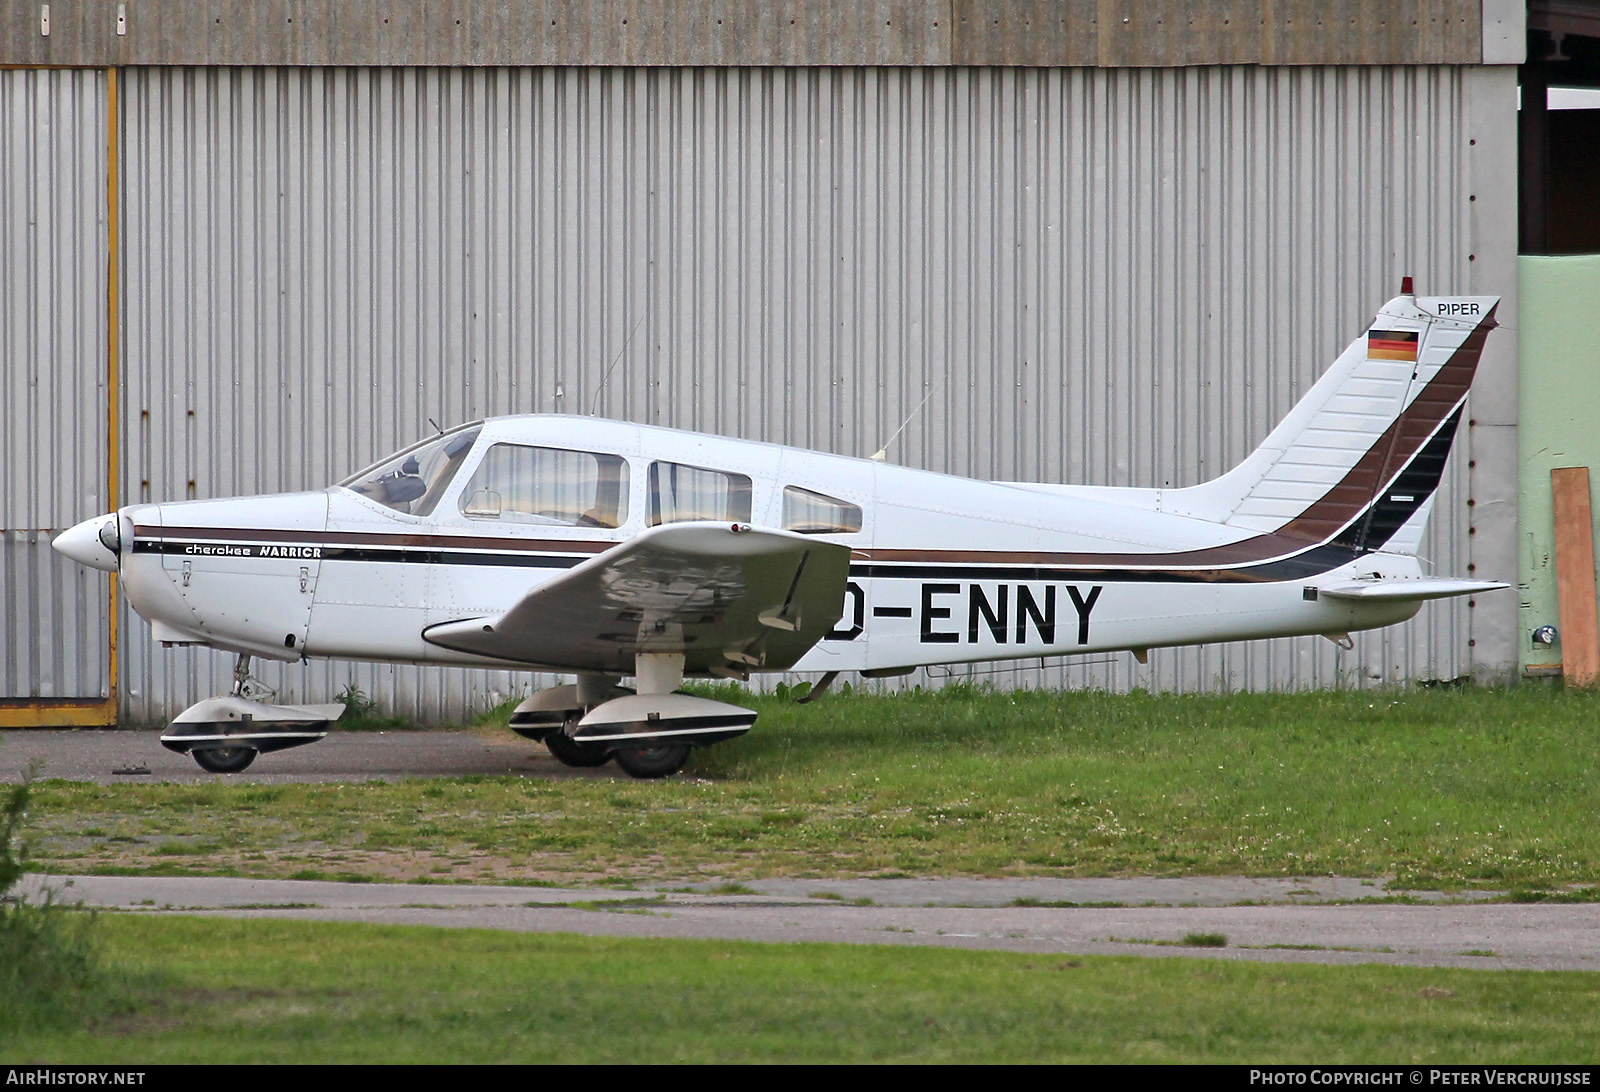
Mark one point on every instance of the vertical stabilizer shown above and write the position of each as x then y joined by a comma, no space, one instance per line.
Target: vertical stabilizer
1357,461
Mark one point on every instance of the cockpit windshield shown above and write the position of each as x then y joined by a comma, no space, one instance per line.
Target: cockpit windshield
415,479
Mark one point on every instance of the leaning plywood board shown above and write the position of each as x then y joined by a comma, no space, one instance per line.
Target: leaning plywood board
1580,629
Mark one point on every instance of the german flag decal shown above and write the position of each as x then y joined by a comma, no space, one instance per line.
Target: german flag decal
1392,345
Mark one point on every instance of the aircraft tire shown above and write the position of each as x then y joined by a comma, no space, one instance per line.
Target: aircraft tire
224,759
570,752
652,760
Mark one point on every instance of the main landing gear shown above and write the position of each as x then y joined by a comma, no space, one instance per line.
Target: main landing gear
649,733
575,753
649,760
224,735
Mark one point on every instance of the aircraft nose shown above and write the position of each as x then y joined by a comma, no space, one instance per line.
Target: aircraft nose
95,542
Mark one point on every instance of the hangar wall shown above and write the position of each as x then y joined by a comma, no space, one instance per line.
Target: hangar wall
1111,276
56,656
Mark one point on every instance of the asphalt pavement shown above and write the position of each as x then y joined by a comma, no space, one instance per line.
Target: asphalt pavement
943,913
112,755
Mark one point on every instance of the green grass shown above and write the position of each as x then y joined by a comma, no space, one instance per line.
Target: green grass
1438,787
207,990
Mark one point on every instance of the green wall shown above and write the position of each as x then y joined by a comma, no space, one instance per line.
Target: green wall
1558,395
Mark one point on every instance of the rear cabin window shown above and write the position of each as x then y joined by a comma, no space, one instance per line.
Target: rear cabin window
549,486
679,493
817,514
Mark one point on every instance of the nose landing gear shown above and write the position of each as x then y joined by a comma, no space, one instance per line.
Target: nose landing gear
224,734
223,759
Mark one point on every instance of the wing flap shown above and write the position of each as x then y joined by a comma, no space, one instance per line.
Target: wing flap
730,597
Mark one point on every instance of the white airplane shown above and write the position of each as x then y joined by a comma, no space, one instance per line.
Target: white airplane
610,550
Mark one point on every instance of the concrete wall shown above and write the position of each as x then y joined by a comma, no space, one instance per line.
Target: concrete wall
1079,33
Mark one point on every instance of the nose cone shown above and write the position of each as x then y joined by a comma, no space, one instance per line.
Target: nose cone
94,542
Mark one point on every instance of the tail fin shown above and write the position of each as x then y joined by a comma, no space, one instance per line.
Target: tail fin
1357,461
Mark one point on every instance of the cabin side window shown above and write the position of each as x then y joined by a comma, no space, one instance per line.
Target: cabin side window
679,493
818,514
549,486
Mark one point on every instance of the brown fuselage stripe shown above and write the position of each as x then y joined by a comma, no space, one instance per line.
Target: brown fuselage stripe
367,538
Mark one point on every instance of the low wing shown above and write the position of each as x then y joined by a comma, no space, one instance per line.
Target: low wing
730,597
1415,590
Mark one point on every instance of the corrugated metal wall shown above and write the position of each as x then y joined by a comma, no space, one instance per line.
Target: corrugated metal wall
1114,277
54,643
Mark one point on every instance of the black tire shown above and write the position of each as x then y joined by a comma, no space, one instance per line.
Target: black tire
572,752
224,759
651,760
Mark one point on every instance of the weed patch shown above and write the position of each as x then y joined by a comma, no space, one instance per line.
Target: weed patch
50,970
361,714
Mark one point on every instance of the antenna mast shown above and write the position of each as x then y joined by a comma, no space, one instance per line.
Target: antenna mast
604,379
883,452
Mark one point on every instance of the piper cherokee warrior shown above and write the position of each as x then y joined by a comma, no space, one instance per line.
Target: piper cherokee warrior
613,551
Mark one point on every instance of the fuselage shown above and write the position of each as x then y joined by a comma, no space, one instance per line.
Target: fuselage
943,569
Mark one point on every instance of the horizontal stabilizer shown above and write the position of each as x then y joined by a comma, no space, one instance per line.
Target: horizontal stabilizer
1412,590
